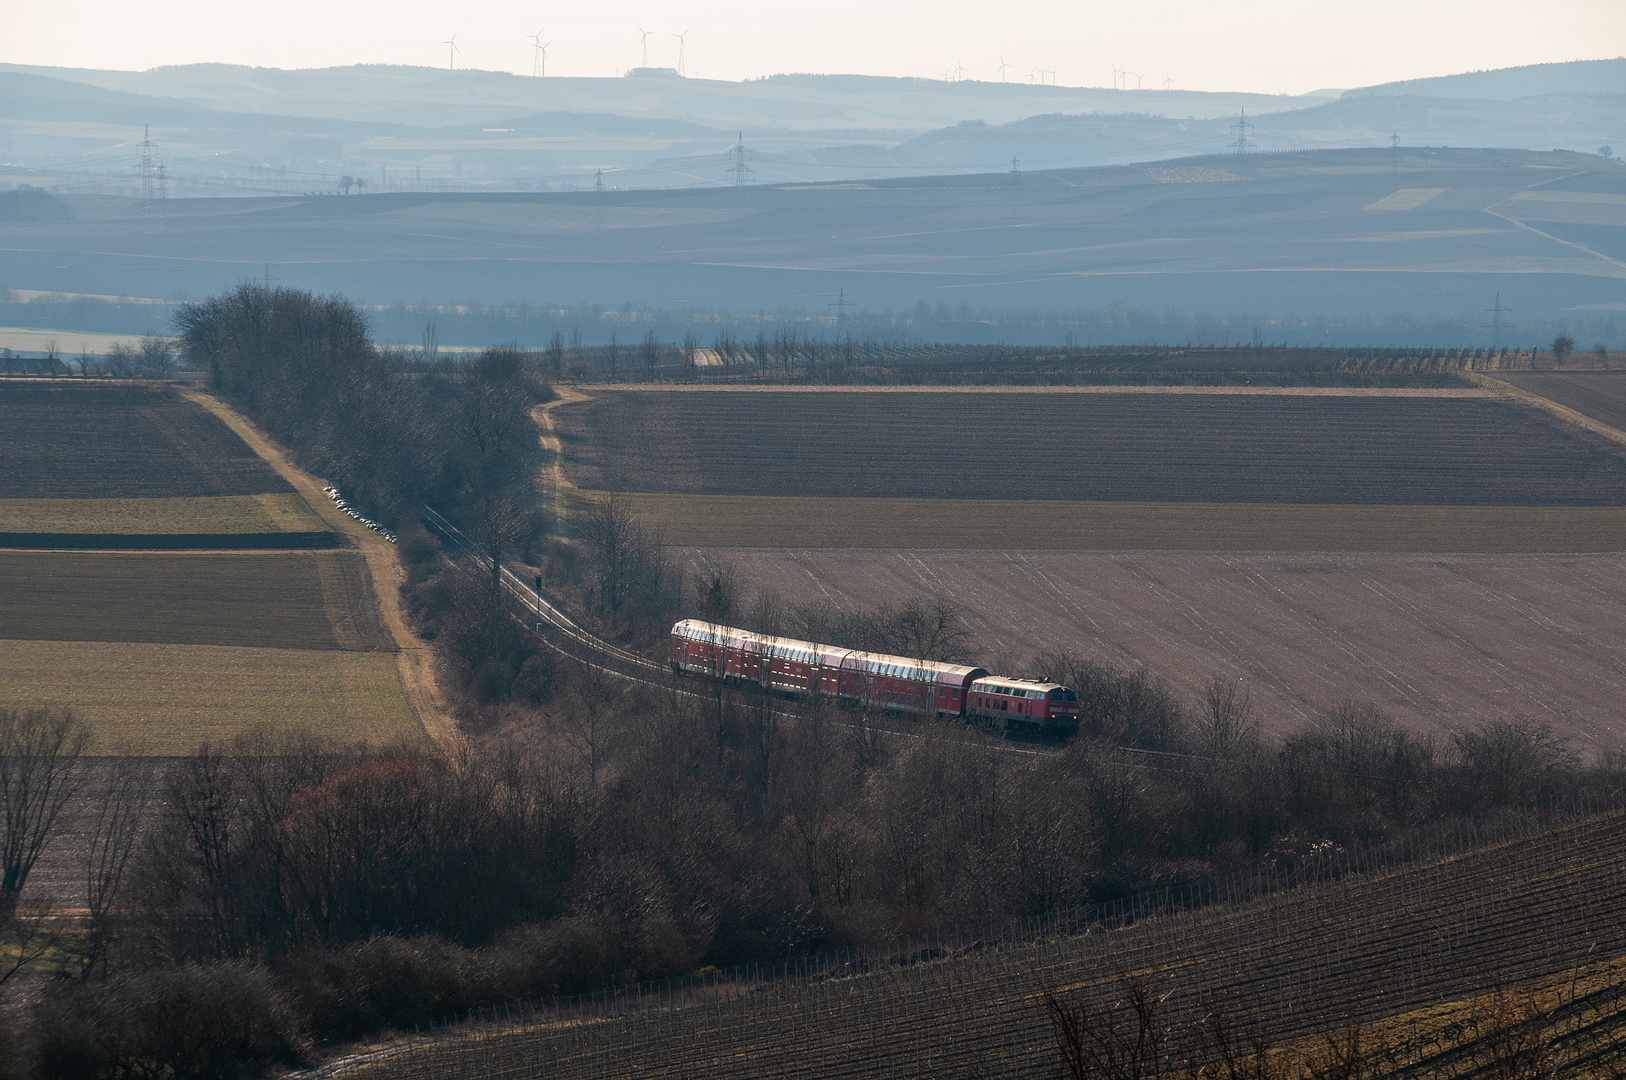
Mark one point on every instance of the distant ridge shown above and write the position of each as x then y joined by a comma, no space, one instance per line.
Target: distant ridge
1510,84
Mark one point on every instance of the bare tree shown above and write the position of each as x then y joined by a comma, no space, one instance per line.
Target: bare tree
691,349
717,591
614,355
157,355
121,811
587,713
556,353
1118,1038
1228,726
1563,345
39,773
651,352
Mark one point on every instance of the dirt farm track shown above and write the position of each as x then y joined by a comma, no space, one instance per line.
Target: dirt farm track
1438,641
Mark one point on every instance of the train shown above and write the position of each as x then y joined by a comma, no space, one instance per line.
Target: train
922,687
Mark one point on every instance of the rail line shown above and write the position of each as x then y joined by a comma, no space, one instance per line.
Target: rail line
646,671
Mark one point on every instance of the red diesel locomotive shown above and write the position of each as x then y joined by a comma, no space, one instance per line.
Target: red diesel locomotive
796,668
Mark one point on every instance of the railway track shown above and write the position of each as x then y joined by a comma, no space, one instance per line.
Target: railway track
574,640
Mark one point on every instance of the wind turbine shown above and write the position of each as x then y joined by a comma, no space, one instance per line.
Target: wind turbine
539,58
451,53
1139,77
680,38
1002,66
1116,73
644,41
1168,80
959,71
1051,73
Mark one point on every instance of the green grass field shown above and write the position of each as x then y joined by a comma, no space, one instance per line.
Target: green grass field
283,512
165,700
790,521
296,600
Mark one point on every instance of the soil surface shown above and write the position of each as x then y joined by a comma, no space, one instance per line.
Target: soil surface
1243,448
100,442
1440,642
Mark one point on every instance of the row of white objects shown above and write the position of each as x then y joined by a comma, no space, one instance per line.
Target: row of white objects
338,500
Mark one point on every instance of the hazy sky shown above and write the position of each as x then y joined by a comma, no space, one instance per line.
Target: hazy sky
1259,45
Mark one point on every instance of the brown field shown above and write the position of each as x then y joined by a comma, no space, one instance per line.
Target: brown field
283,512
812,522
1123,447
166,699
1600,395
76,441
297,600
1439,641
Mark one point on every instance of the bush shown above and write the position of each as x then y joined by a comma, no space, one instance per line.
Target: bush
199,1020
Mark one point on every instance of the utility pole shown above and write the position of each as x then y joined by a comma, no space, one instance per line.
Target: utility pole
1496,312
148,168
739,172
1394,153
841,304
1240,129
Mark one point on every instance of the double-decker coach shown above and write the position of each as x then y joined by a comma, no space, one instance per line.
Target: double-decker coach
1040,708
794,667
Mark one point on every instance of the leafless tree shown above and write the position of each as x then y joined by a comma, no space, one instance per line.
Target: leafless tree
157,355
587,713
691,349
927,630
39,772
1227,727
1563,345
651,352
613,356
556,353
717,591
1106,1036
121,811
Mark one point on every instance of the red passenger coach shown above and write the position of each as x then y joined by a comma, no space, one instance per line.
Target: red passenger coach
804,667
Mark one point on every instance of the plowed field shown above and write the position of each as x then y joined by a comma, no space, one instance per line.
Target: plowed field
90,442
1215,448
1440,642
1600,395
